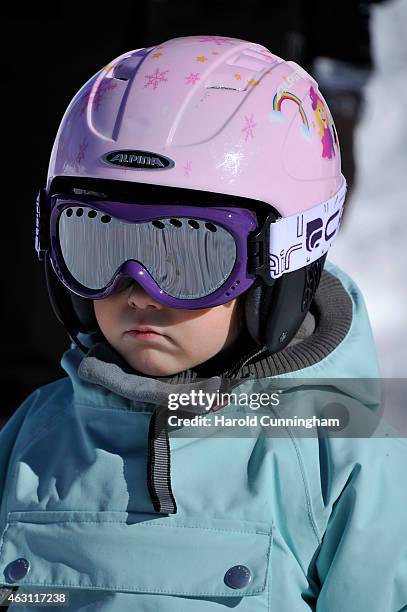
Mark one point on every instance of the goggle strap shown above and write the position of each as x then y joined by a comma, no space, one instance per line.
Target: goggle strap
289,243
258,251
42,217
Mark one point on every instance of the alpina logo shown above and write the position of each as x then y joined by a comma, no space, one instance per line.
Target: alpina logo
138,160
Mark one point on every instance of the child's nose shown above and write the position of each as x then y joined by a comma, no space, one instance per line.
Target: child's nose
139,298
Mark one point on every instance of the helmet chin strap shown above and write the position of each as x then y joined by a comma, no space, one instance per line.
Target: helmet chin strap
74,338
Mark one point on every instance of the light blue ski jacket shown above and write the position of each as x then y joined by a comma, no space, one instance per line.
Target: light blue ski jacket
282,523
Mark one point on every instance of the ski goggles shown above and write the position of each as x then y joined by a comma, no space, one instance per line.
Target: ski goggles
183,256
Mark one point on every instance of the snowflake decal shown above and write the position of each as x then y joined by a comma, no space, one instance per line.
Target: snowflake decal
81,153
100,93
216,40
188,168
192,78
83,102
96,96
249,127
156,78
73,160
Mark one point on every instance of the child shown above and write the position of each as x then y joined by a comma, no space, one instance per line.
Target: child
190,203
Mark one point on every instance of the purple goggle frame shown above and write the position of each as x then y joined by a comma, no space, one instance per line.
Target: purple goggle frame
232,223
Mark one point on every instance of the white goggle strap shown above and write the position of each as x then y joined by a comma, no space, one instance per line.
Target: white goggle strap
297,241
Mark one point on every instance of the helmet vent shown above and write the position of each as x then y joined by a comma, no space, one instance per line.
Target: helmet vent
255,61
127,67
241,71
223,87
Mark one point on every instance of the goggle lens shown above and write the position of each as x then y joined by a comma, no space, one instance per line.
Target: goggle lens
187,258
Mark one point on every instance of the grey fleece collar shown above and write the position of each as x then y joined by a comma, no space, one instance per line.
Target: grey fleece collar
103,366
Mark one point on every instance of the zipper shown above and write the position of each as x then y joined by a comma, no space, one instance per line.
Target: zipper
244,360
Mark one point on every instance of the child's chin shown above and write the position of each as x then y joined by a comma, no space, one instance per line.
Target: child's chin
156,367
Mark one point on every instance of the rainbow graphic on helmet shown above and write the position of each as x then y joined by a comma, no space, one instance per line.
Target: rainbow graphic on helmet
281,97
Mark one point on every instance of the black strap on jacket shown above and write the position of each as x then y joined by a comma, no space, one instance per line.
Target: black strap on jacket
159,463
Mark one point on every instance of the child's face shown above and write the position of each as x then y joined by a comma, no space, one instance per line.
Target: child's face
187,337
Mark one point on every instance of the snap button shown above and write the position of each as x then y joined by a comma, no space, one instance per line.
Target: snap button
17,569
238,577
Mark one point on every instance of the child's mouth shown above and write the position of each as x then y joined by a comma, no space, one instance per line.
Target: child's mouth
145,333
139,334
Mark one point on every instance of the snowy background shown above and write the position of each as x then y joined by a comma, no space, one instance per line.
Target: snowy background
372,245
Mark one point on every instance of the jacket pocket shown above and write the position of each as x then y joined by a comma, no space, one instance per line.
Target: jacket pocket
136,553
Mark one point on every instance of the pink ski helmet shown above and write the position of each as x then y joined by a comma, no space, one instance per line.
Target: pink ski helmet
208,120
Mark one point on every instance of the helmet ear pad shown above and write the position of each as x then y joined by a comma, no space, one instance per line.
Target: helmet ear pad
273,314
73,311
85,313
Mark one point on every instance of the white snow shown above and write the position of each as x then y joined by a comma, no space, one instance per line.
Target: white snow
372,244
